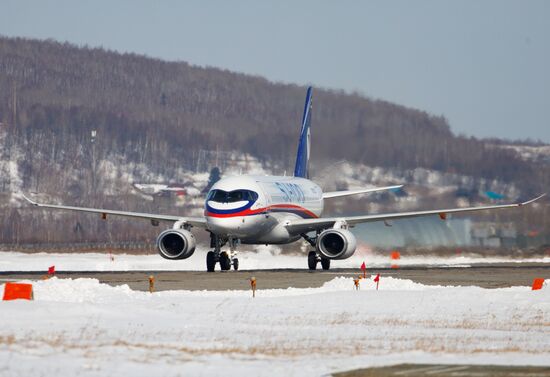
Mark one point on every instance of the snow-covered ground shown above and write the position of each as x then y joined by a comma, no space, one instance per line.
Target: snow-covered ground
529,152
82,327
265,258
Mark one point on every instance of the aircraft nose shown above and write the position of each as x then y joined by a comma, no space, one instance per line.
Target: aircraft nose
235,226
224,224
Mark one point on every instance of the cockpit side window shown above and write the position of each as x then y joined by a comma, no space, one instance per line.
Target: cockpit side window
221,196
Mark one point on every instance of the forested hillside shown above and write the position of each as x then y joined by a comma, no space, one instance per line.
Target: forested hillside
161,114
166,107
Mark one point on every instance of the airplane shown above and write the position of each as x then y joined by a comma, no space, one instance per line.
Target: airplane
249,209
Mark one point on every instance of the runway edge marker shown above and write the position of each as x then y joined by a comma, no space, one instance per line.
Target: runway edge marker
16,291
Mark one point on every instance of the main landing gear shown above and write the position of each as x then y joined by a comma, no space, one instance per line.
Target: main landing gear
313,259
225,259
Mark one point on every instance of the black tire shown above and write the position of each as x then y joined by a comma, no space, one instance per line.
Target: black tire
225,262
236,264
325,263
210,261
312,260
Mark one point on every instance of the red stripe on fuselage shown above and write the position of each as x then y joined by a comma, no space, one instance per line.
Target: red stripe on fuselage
246,212
295,207
250,212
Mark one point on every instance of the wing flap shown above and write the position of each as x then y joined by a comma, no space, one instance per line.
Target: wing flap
194,221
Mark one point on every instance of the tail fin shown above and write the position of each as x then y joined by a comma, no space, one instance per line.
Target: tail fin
302,157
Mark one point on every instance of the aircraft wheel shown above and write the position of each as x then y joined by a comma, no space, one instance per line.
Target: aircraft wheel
312,260
225,262
235,264
210,261
325,263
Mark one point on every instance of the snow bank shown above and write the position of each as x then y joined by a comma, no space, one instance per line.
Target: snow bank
92,291
87,328
263,259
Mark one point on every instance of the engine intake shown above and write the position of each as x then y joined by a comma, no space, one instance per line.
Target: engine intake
176,244
336,244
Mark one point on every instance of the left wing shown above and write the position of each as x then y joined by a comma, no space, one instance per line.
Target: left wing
193,221
308,225
336,194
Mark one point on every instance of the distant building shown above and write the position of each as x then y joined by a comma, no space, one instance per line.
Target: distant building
491,234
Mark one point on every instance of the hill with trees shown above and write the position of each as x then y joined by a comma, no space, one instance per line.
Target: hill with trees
159,114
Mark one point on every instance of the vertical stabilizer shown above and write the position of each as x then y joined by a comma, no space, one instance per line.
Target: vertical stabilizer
302,157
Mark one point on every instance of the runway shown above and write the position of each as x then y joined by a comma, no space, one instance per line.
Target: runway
485,276
442,370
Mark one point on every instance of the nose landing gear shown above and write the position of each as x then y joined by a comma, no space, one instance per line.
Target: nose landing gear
225,262
225,259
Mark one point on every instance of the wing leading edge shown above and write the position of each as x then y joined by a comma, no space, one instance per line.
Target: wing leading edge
308,225
193,221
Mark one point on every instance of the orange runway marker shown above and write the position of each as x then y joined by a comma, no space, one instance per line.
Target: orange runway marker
538,283
356,283
151,284
253,286
395,256
14,291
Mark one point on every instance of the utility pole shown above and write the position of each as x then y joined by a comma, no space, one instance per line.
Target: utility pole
14,104
92,140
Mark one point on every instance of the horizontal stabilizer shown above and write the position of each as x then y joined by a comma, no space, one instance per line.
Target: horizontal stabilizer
336,194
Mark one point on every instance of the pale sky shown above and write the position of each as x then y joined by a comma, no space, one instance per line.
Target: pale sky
484,65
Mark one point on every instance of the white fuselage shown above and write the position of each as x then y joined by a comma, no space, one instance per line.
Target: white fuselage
254,209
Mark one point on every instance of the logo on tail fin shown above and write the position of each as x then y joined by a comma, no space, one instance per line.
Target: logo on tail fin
302,157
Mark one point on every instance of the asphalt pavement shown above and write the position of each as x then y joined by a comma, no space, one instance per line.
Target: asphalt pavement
482,276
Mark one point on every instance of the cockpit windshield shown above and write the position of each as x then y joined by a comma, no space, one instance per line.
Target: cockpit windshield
221,196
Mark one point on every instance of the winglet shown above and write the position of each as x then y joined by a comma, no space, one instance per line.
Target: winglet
532,200
29,200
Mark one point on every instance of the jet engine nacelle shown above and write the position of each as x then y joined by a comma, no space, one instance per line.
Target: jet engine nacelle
336,244
176,244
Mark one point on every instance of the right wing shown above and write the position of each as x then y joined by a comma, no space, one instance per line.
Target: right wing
193,221
336,194
308,225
